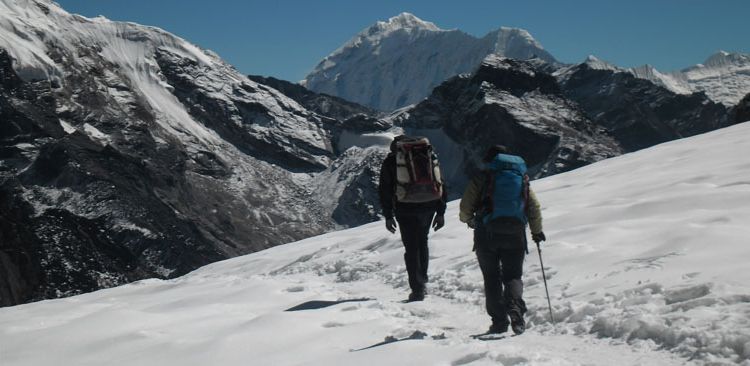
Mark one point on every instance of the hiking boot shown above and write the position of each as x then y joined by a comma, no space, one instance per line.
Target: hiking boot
517,323
416,296
497,328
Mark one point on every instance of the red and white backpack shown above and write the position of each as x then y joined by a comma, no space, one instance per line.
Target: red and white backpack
417,171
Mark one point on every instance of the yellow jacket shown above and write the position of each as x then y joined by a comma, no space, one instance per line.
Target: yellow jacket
472,200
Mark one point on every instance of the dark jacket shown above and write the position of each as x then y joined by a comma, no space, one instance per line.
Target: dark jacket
387,192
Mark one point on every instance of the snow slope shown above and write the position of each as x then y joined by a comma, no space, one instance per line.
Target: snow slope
724,77
398,62
646,264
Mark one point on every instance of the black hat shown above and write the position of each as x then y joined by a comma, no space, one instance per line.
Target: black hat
492,152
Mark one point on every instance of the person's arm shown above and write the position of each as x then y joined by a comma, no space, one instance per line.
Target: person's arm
387,185
470,200
443,202
534,213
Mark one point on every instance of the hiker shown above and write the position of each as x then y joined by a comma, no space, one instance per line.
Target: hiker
497,204
412,193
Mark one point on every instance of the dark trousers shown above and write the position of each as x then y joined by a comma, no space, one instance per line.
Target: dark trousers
501,261
414,228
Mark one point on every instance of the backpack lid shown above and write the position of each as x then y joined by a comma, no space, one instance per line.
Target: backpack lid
412,140
402,140
507,162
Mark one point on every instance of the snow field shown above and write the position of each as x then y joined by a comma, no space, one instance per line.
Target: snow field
646,265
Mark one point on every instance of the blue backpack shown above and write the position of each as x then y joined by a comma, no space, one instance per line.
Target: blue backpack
507,193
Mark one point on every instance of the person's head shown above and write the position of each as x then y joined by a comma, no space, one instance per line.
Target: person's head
395,141
492,152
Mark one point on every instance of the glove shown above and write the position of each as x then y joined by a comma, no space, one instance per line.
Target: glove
438,222
538,237
472,223
390,224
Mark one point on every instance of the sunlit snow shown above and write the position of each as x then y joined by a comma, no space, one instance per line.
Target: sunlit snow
646,262
724,77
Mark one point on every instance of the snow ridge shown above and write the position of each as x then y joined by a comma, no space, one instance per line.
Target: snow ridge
32,29
597,64
402,21
724,77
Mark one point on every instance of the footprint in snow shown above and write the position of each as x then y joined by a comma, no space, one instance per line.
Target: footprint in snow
295,289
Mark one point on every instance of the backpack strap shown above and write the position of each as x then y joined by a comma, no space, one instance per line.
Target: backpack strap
525,193
486,203
437,177
409,158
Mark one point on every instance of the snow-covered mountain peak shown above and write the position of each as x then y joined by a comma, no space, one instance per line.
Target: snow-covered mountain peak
506,33
591,62
520,31
599,64
39,38
646,69
724,59
493,60
37,27
673,82
404,21
398,62
372,37
724,77
500,62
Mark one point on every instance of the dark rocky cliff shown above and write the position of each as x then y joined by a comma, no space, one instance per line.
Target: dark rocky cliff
509,102
637,112
741,112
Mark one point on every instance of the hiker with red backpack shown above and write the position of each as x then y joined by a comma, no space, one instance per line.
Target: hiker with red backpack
412,193
498,204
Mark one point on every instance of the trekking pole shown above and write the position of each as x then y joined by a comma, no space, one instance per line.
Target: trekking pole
539,250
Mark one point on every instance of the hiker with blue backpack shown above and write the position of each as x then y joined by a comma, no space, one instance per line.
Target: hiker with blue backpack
498,204
412,193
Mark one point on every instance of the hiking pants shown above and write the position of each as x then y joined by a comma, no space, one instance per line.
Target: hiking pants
501,261
414,228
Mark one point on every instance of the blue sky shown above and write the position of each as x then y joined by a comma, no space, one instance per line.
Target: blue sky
287,38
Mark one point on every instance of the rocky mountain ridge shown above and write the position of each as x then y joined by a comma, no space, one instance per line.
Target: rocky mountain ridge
637,112
509,102
127,152
724,77
398,62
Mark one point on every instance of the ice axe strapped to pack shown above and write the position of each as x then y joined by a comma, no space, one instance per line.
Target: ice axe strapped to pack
417,171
